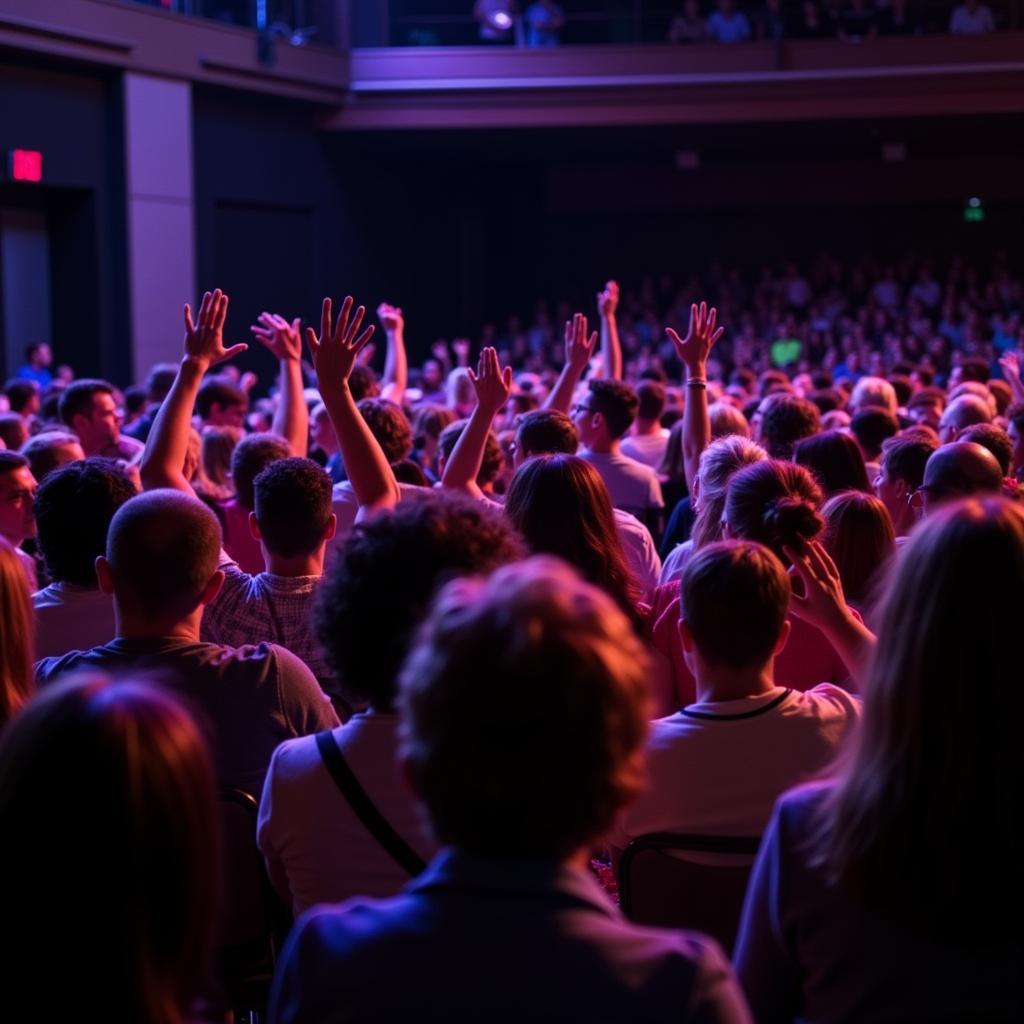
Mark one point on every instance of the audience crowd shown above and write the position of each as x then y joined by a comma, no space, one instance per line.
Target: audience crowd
732,562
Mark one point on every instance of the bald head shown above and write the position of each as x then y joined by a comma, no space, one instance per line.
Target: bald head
960,470
964,411
163,548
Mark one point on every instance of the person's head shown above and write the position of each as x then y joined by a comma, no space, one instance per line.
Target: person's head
873,393
726,419
979,390
718,462
13,430
459,393
1001,394
835,460
1015,431
17,628
605,413
23,396
860,537
774,503
926,405
74,507
51,450
39,355
900,473
783,420
958,470
560,504
963,412
163,548
159,381
363,383
969,368
492,463
321,430
17,492
541,777
544,432
378,588
135,401
650,396
871,427
292,508
937,760
995,439
221,404
120,769
249,458
389,426
431,376
427,425
217,446
88,408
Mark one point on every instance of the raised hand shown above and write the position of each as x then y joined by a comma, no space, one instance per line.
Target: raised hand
248,381
460,346
579,349
704,331
283,339
491,383
822,603
1009,363
204,336
336,351
367,354
439,350
390,317
608,299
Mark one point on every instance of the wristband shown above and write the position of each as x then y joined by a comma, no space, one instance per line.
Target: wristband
697,382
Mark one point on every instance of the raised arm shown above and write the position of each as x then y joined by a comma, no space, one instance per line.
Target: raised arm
1009,363
611,349
492,385
163,460
284,340
335,354
396,365
693,351
579,349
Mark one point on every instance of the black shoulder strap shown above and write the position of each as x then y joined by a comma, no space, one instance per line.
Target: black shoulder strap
365,810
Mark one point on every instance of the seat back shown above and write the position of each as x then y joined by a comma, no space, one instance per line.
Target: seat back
659,886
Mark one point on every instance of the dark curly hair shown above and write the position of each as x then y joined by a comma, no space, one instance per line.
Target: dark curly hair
386,572
250,457
292,506
73,509
389,426
785,420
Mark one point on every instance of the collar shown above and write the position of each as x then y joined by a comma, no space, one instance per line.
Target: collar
453,870
736,710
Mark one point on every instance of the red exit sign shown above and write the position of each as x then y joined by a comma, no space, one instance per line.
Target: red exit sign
26,164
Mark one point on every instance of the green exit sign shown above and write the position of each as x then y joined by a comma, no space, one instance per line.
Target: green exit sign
974,211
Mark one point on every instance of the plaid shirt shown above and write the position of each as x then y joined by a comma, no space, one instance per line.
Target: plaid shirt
277,609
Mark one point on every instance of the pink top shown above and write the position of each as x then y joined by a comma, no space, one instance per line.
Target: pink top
239,543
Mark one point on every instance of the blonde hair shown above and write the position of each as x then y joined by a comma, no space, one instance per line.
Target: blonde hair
726,419
17,634
718,462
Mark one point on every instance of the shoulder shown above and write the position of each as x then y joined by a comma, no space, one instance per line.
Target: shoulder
831,698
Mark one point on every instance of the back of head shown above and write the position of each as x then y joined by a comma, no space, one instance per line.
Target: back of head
935,767
217,447
363,383
249,458
650,400
785,420
546,431
20,393
995,439
163,548
459,392
17,634
389,426
860,537
872,428
293,506
13,430
965,411
159,381
961,470
74,507
835,460
904,457
429,421
493,460
218,391
718,462
616,402
731,583
774,503
120,771
386,571
542,776
726,419
873,393
560,504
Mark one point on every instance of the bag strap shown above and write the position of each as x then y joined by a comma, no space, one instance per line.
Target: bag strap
365,810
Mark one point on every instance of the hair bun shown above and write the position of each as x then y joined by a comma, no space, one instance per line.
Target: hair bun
792,521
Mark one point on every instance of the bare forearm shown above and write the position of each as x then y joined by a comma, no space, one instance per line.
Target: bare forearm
163,461
396,367
560,397
854,643
611,349
463,467
696,422
291,419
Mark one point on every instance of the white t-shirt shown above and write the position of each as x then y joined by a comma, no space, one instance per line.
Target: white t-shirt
631,485
678,558
317,850
345,504
718,768
71,618
640,551
646,448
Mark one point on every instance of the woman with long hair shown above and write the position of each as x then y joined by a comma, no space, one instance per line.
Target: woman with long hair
835,460
894,889
17,634
860,538
560,505
110,854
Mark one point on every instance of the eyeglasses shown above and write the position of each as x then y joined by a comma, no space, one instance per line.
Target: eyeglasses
916,497
580,407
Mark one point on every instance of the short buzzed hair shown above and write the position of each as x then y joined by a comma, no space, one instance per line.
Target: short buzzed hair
616,402
249,458
292,506
163,548
905,456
